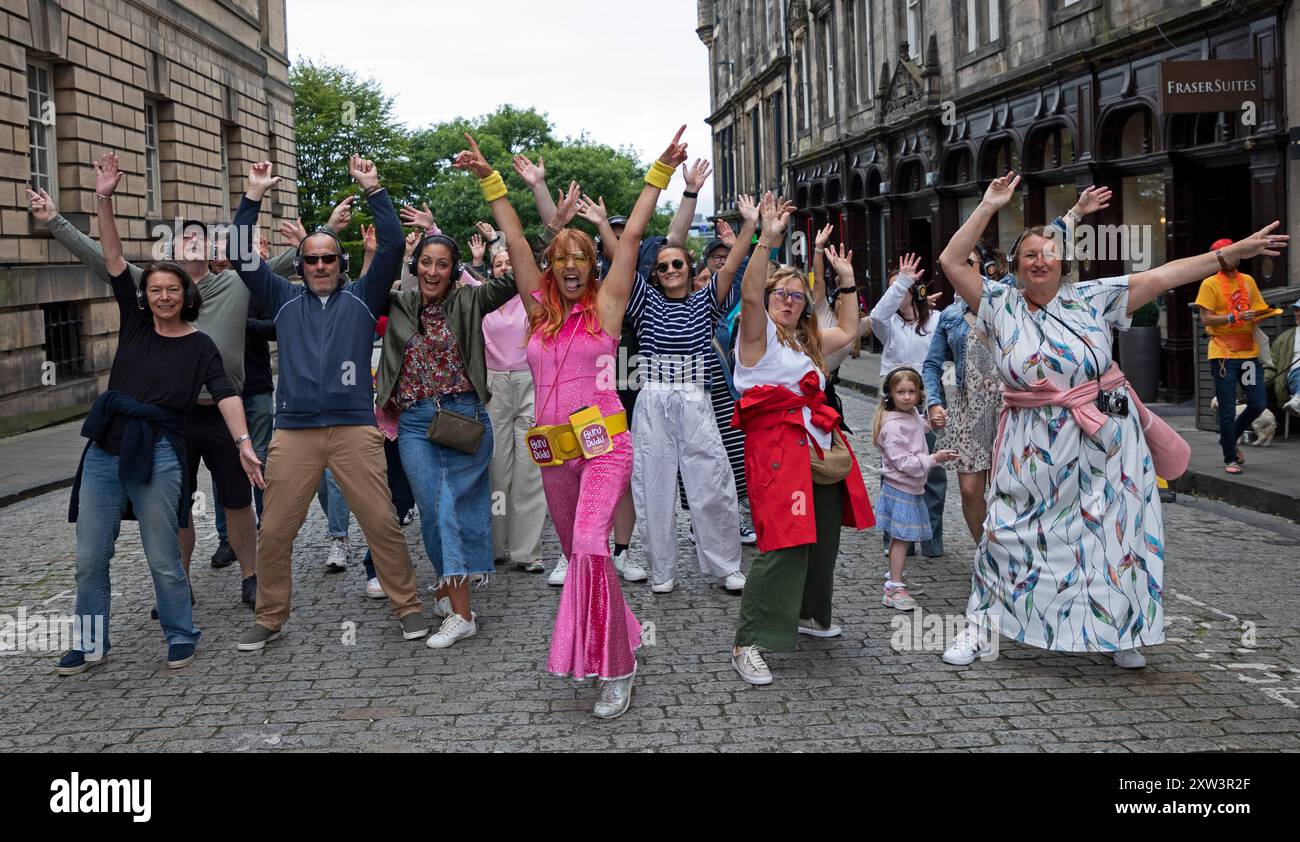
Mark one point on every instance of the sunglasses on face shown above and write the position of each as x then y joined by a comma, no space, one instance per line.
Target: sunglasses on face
313,259
793,297
677,263
580,259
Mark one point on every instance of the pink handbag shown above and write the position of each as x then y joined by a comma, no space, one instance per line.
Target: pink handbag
1170,452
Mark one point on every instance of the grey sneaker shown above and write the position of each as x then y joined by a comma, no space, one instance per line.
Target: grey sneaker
414,626
812,628
256,637
615,697
751,665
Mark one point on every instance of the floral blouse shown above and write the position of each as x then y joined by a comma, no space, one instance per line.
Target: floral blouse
432,364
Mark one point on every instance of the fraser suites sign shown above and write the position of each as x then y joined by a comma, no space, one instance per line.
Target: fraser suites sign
1193,87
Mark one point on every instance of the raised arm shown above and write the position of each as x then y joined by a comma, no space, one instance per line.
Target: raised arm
595,213
680,228
269,290
966,279
735,257
752,342
82,247
390,242
845,331
369,245
107,177
1147,286
535,177
909,272
616,289
494,192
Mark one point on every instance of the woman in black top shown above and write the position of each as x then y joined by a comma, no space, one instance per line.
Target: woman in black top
131,467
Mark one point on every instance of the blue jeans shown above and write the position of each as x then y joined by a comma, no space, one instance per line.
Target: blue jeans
452,489
1227,374
333,505
259,410
103,499
936,487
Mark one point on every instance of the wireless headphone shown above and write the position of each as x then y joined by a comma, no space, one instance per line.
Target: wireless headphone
1014,257
441,240
321,229
191,291
887,390
988,260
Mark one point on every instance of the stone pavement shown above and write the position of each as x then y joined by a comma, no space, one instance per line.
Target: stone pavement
1228,679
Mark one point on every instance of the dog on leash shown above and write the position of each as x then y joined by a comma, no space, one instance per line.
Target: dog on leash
1265,426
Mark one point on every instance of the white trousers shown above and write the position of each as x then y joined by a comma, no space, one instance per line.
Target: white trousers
676,429
518,503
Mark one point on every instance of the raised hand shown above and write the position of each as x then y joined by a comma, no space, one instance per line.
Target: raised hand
486,231
341,216
417,218
842,264
696,175
1000,192
532,174
910,265
776,217
260,180
933,299
107,175
1093,199
42,206
566,206
824,236
593,212
472,159
476,249
412,240
364,172
1262,241
675,154
293,232
263,247
748,210
725,234
368,239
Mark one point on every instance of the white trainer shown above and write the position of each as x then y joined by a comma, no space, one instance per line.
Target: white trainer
453,628
751,666
735,583
629,571
338,558
1130,659
556,579
374,590
968,646
664,587
1293,405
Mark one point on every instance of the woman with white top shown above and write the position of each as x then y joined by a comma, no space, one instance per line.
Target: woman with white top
904,321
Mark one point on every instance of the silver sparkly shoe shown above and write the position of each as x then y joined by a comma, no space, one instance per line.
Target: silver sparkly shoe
615,697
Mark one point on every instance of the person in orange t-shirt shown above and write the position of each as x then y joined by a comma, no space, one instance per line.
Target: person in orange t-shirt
1230,304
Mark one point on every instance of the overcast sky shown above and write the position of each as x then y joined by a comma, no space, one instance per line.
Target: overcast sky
626,73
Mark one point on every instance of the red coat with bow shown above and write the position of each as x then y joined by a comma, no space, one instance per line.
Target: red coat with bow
778,465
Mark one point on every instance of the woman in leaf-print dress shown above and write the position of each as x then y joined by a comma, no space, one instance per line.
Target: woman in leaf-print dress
1072,556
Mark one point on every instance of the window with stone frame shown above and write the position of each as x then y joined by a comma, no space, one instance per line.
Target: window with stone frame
977,29
41,139
915,28
1060,11
152,183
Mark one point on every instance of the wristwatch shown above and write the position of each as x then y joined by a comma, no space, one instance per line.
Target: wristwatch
241,439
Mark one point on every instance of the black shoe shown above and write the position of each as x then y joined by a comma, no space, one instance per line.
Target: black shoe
249,591
224,556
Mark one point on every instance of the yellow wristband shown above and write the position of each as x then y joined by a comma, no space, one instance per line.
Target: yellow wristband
493,187
659,176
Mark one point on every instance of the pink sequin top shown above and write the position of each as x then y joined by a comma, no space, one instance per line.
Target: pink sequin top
575,369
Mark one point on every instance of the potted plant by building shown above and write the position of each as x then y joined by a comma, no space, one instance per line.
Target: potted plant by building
1139,351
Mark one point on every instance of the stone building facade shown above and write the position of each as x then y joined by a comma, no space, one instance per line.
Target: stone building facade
899,112
187,94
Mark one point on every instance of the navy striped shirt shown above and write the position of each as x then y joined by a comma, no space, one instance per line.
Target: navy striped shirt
676,334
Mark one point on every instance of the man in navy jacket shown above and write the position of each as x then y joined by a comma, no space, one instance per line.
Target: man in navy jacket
325,401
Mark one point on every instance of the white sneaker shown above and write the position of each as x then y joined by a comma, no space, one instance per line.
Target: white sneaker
751,665
374,590
812,628
442,607
629,571
665,587
1130,659
556,579
735,583
338,558
968,646
1293,405
453,628
747,534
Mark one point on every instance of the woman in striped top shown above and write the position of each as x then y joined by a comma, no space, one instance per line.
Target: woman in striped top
674,423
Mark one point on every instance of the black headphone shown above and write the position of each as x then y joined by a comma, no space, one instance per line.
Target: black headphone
988,260
1013,259
187,283
321,229
886,393
442,240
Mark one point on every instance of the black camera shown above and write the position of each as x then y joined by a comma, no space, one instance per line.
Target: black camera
1114,402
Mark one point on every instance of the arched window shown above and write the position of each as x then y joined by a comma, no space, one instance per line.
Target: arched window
909,178
997,157
1051,149
958,167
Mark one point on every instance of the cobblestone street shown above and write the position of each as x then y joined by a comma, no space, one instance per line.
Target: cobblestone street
343,679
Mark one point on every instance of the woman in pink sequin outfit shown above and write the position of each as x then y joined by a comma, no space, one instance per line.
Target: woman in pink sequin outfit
573,328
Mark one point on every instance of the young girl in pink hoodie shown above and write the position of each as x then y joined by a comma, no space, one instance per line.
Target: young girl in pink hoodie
899,433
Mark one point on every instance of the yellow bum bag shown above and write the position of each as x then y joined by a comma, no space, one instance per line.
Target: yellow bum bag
588,434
